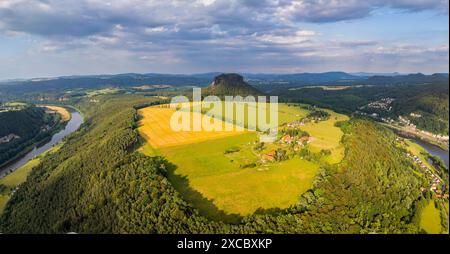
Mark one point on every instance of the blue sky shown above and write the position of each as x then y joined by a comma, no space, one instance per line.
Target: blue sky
40,38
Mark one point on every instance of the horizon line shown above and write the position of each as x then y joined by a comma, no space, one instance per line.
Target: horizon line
368,74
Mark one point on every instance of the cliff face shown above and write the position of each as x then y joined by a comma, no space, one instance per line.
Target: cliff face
230,84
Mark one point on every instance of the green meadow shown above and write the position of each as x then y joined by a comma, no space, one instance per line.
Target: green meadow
431,220
14,179
226,186
218,186
327,136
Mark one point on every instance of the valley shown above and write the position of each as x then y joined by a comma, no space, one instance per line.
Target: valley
224,125
316,172
232,173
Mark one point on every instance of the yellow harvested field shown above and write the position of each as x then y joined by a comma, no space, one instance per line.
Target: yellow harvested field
156,130
64,113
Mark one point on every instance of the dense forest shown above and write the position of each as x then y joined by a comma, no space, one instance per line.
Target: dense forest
98,183
26,124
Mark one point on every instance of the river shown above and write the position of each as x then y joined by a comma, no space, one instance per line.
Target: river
74,123
434,150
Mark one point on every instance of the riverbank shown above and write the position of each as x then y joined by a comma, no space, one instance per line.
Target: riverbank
406,133
38,141
74,123
13,175
434,150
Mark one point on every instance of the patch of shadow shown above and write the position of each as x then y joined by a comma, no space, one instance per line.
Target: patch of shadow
204,205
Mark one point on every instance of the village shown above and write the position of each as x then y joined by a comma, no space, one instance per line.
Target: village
437,185
413,128
290,141
287,145
384,104
402,122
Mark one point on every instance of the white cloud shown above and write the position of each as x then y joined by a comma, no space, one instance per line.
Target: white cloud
158,29
202,34
296,38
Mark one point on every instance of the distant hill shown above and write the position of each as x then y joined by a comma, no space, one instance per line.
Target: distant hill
136,79
267,83
98,81
409,79
370,74
305,78
230,84
425,95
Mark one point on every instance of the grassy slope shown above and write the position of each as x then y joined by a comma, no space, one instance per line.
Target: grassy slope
15,178
430,219
327,136
20,175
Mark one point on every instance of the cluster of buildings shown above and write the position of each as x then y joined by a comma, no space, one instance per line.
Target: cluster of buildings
436,136
288,139
387,120
384,103
435,180
414,128
8,138
297,123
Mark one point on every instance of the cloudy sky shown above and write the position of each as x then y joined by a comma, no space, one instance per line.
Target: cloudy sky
64,37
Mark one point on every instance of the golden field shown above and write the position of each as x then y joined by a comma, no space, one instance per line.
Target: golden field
155,128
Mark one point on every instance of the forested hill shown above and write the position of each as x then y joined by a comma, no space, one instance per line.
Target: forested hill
230,84
410,79
98,183
23,127
99,81
430,100
21,122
